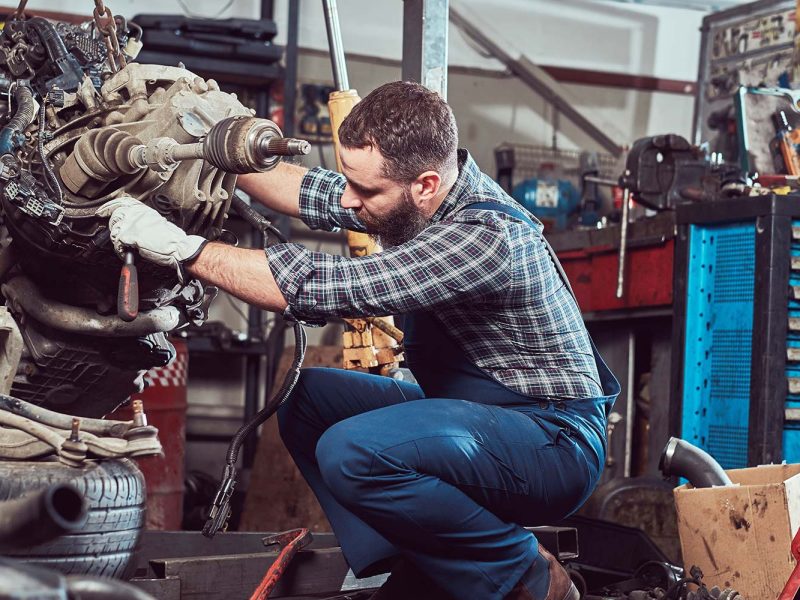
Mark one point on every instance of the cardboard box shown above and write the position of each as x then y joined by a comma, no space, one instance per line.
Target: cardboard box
740,536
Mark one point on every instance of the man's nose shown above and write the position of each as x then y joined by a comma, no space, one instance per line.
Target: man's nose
350,200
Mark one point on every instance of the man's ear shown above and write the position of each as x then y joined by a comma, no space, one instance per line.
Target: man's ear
425,187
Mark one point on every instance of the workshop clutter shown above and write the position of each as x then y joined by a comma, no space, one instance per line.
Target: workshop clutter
740,536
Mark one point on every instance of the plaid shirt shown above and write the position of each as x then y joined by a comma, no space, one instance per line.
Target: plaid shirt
485,275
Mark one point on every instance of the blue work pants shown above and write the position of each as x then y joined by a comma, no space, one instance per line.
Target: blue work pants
446,483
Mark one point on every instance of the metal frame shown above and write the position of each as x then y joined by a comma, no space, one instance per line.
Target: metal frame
180,564
534,77
425,25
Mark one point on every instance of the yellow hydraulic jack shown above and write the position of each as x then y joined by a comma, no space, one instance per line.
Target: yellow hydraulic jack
371,343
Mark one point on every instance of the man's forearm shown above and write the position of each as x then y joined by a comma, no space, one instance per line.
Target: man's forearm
278,189
242,272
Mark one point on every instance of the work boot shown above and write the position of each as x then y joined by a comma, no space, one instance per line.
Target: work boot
559,588
407,582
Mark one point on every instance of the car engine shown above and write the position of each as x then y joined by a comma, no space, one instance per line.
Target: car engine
83,124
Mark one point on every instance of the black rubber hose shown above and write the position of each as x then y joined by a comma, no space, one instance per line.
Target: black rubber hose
23,116
255,219
289,381
41,516
56,49
682,459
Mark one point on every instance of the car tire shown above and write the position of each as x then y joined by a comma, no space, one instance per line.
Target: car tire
115,494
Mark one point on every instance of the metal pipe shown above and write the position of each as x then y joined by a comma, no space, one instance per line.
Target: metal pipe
682,459
338,64
623,241
87,587
22,292
601,181
41,516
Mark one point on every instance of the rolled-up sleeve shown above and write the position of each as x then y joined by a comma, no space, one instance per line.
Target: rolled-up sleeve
453,263
320,202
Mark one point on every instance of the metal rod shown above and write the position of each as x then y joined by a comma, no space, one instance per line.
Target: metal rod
601,181
290,82
335,44
533,76
623,241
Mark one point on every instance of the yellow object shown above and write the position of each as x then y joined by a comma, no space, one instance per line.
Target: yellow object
363,346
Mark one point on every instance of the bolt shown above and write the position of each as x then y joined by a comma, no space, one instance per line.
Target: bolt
75,436
139,418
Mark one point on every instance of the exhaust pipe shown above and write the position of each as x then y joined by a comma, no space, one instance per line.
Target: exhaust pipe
41,516
682,459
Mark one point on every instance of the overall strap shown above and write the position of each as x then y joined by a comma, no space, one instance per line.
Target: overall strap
518,214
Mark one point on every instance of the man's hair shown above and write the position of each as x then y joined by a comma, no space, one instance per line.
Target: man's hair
413,128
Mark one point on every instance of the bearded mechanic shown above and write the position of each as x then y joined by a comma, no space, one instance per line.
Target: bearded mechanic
507,425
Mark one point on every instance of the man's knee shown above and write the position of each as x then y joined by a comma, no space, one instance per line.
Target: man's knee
344,460
293,412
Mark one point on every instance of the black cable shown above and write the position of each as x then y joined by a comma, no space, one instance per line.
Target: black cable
289,381
255,219
221,507
50,176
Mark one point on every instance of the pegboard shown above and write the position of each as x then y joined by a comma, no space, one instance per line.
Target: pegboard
750,45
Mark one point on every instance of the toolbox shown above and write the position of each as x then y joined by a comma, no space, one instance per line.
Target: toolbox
736,335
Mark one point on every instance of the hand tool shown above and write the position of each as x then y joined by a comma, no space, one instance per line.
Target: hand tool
128,291
290,543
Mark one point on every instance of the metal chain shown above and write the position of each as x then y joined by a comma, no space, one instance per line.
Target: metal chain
107,26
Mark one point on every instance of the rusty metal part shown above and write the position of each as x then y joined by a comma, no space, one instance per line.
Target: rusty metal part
23,294
290,542
32,432
107,26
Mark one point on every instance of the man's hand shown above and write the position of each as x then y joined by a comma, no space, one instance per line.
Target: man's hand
134,225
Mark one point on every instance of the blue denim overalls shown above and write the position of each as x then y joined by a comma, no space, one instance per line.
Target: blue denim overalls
444,473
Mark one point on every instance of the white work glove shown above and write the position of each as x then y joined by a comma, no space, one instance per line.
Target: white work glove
134,225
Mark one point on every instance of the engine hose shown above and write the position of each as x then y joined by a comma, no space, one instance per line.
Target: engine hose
50,38
52,180
255,219
289,381
23,116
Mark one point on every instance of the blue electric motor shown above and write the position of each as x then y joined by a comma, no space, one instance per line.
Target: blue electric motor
551,200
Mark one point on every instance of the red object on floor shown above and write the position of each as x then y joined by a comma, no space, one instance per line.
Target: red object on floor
164,401
792,587
593,275
290,542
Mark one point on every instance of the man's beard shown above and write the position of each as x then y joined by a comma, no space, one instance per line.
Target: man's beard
404,223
